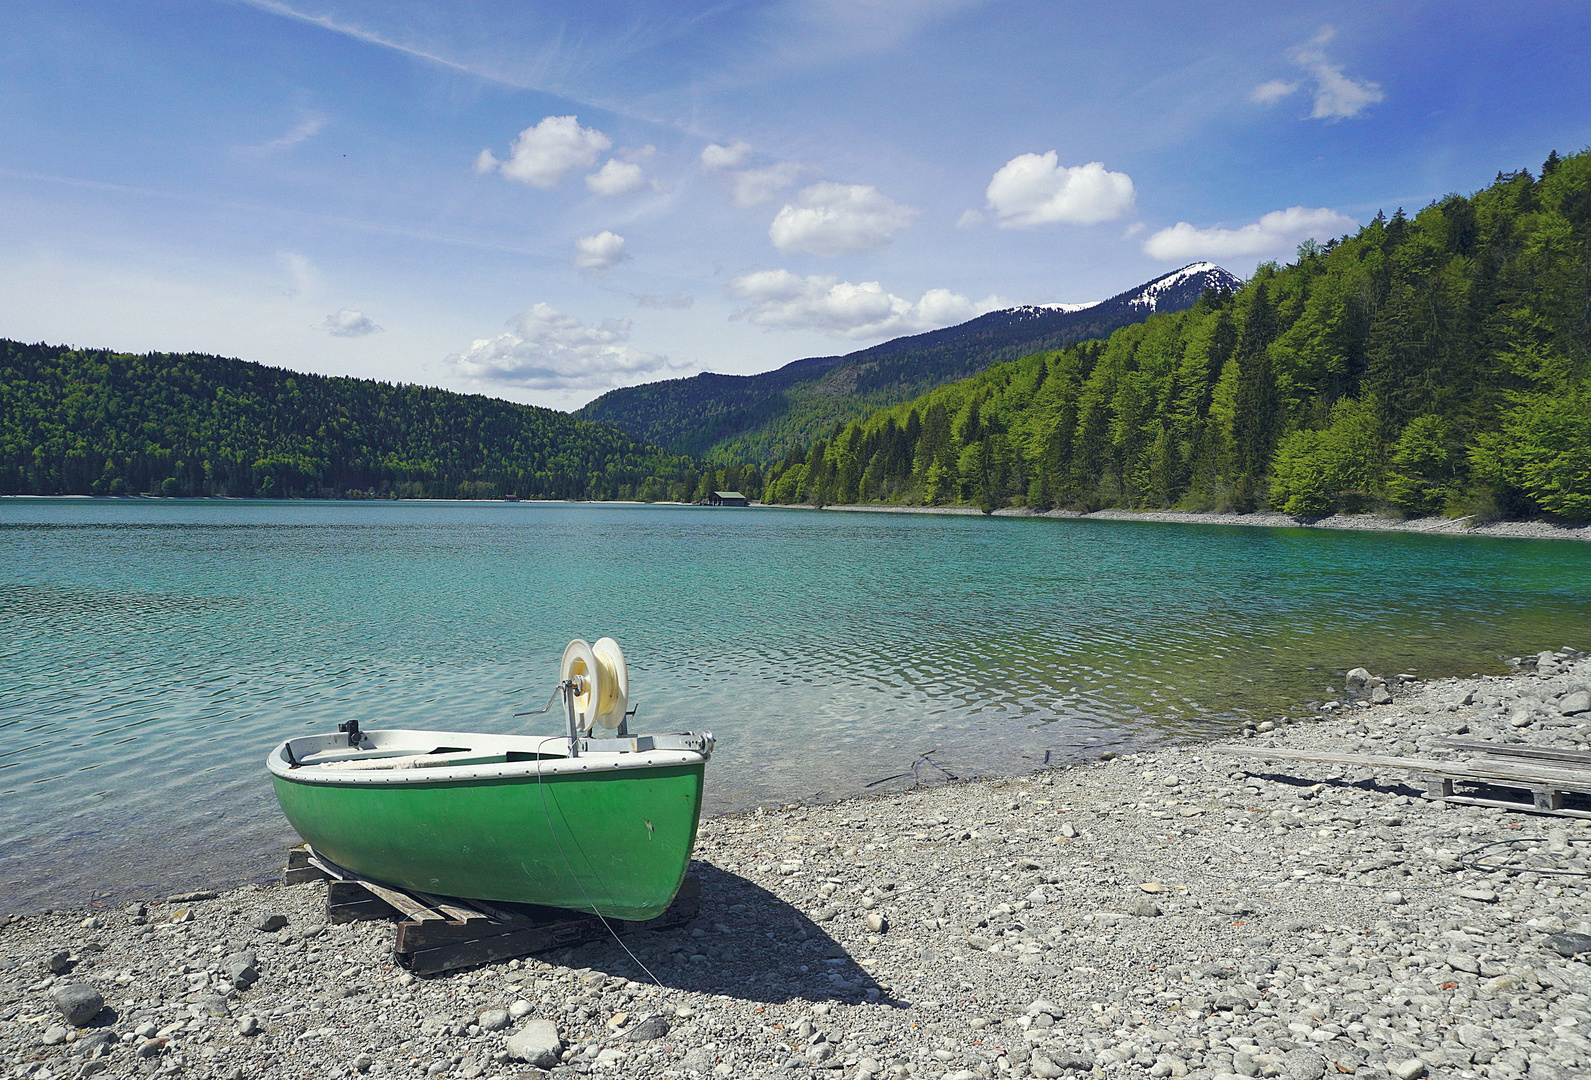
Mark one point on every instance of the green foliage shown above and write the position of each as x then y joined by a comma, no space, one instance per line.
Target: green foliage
1544,451
1425,466
94,422
1317,471
758,417
1438,363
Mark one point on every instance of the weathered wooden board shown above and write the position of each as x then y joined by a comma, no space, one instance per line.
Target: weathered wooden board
1547,775
1548,754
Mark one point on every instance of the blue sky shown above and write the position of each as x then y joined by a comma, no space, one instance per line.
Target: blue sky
541,201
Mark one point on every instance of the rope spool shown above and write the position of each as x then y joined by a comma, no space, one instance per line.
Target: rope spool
615,684
603,683
580,665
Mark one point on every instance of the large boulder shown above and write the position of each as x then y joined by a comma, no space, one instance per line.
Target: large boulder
78,1003
536,1044
1576,703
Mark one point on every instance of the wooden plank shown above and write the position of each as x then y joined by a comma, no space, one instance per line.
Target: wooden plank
474,953
301,875
1538,753
399,899
406,904
1547,799
348,901
453,908
1567,779
418,936
1504,804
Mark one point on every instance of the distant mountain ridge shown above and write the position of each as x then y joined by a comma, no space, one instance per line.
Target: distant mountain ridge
758,417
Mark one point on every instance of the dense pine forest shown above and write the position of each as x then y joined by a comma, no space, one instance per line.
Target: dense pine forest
740,418
102,423
1433,364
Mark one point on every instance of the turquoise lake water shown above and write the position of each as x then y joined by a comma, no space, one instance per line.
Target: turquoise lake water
152,652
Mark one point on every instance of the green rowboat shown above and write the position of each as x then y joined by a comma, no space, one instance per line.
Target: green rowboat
608,827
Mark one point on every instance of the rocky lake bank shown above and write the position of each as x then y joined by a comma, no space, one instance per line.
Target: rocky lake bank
1177,912
1540,529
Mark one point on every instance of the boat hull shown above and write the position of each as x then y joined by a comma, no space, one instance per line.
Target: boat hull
615,843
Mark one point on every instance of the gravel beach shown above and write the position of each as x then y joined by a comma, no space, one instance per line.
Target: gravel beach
1173,913
1463,526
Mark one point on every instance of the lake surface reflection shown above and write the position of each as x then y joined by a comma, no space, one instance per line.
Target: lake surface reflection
151,652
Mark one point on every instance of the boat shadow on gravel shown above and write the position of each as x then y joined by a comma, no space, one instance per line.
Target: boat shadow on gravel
744,943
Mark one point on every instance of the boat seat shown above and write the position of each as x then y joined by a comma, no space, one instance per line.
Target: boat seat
407,761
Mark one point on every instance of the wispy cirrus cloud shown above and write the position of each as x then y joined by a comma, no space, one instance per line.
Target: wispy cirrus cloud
1338,96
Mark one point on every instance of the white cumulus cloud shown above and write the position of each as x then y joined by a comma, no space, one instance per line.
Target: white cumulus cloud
544,154
1276,233
616,178
544,349
1337,95
1035,189
346,322
832,219
780,300
725,157
600,253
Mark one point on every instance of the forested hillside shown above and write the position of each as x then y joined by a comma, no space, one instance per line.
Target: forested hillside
94,422
1439,364
757,418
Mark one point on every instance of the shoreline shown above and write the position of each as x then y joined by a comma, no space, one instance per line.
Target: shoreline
1172,912
1506,530
1535,529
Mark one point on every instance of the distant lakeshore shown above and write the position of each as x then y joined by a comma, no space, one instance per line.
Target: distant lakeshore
1464,526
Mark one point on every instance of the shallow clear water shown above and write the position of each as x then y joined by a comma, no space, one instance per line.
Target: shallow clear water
152,652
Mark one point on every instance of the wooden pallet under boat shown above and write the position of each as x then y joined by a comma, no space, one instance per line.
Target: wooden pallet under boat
435,934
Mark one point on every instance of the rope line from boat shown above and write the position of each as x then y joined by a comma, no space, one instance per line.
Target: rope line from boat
922,759
542,791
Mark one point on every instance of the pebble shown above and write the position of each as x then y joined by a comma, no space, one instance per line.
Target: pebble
78,1003
537,1043
271,923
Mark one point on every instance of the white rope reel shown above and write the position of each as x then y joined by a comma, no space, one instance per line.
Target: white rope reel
602,684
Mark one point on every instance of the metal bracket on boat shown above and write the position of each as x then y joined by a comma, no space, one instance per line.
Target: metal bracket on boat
352,728
569,688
